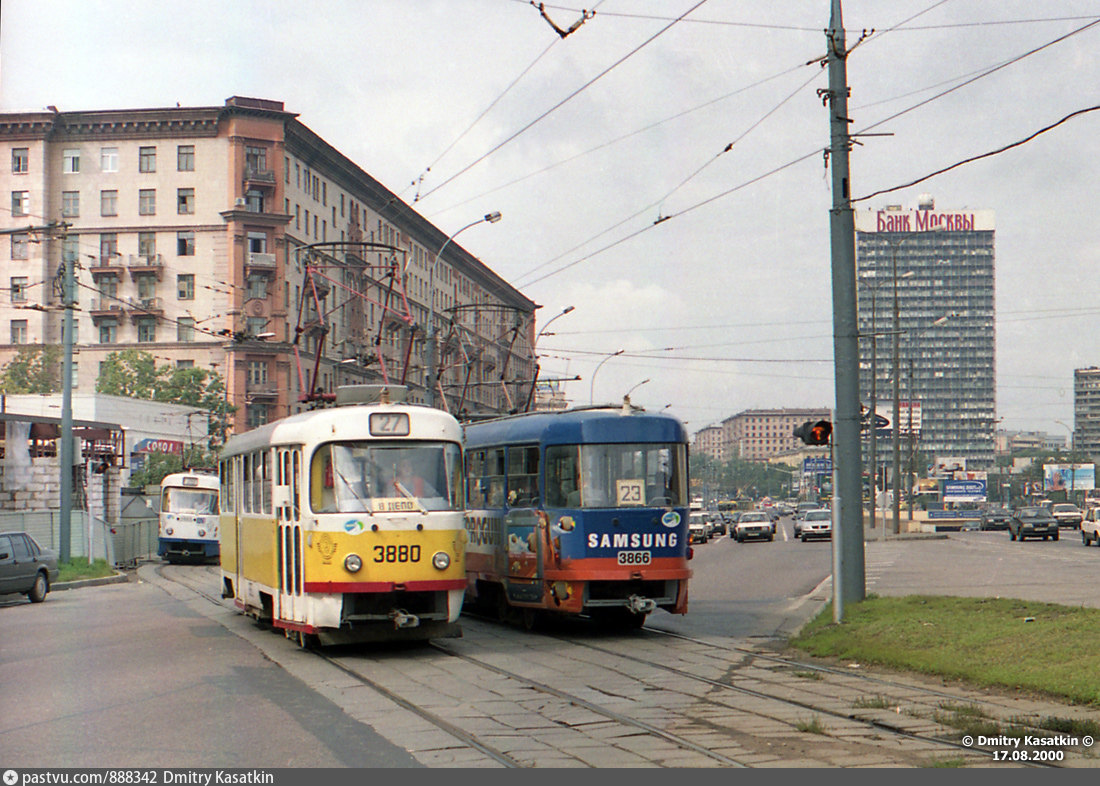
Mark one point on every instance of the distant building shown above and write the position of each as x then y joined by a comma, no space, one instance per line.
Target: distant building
708,442
1008,442
762,434
940,264
1086,411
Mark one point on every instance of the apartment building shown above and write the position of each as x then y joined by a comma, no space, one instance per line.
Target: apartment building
762,434
233,238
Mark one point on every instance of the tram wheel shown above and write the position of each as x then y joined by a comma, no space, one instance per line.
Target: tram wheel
533,619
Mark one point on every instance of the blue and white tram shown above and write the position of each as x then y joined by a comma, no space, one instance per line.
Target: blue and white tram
582,511
346,524
188,518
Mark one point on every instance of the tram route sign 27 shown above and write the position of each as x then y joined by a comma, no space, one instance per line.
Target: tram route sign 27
817,465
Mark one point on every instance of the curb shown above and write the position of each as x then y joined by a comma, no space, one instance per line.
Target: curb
118,578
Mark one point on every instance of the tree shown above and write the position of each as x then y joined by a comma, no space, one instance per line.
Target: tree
36,368
134,374
157,465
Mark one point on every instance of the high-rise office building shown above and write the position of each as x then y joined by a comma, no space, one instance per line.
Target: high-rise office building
926,281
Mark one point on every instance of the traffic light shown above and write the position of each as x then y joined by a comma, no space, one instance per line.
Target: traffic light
814,433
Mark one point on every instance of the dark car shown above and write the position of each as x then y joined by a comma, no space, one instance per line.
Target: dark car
995,518
1032,522
26,567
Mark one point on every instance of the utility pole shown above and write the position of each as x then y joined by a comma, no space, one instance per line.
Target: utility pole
67,457
849,583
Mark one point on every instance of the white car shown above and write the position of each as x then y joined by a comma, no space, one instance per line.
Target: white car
753,524
815,524
1090,527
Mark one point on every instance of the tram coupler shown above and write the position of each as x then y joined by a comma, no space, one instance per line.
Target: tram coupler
639,605
402,619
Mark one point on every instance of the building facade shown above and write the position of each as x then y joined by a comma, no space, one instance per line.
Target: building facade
763,434
708,442
235,239
926,282
1086,411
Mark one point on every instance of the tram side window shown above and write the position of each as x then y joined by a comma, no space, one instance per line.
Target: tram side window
246,483
322,499
265,482
494,476
562,487
523,476
477,490
258,482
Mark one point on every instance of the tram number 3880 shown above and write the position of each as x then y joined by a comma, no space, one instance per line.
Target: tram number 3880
634,557
397,553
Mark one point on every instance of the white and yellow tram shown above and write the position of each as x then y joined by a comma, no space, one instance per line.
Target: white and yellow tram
188,518
346,524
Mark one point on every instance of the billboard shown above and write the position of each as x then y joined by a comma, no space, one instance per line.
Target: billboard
909,412
1069,477
964,491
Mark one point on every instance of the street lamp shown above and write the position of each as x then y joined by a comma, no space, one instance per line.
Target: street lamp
535,376
592,385
1072,467
490,218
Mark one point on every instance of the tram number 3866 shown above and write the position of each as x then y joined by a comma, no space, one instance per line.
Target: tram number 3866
634,557
394,553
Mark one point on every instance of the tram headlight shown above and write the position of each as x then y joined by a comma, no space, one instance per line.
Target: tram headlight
202,533
441,560
353,563
167,530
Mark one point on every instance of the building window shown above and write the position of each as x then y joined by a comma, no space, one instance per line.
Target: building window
19,289
108,332
185,201
257,242
19,331
254,201
20,203
108,245
254,326
257,287
147,159
70,204
147,330
147,288
185,329
108,159
108,203
185,158
70,161
255,159
108,288
147,202
20,246
185,244
20,160
257,372
147,244
185,286
256,415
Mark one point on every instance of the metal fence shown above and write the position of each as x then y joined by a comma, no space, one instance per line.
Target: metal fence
121,545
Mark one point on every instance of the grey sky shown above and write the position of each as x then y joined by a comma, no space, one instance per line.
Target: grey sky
725,305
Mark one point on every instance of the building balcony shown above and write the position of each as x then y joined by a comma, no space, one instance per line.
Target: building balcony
110,265
105,307
259,177
145,307
261,391
142,264
255,262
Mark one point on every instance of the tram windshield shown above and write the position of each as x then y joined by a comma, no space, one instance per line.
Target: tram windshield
199,503
373,477
614,476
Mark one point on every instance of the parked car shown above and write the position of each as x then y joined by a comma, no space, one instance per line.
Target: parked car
1090,527
815,524
995,518
26,567
1032,522
1067,514
697,528
753,524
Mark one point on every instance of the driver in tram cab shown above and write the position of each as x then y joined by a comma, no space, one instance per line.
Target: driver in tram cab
411,481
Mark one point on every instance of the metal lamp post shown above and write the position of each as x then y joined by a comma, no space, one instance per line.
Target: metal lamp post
541,333
592,384
490,218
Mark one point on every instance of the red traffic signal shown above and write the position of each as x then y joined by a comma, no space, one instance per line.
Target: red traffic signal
814,433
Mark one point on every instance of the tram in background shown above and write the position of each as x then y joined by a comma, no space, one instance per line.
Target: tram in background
188,518
346,524
578,512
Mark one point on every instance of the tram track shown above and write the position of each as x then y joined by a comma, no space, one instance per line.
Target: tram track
698,709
